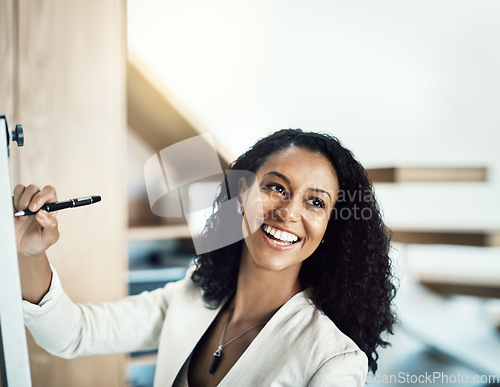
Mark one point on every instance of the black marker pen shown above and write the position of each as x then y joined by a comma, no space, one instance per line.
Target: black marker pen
50,207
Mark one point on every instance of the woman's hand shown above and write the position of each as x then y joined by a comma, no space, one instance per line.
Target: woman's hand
36,233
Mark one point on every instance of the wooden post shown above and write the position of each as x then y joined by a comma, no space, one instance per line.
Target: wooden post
69,70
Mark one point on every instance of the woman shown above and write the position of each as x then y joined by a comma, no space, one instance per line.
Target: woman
301,301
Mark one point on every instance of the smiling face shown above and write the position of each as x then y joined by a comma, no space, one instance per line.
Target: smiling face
298,189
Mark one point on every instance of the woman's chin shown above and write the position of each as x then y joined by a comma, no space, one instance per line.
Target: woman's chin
275,263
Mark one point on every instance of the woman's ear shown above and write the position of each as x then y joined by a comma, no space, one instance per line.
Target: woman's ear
242,194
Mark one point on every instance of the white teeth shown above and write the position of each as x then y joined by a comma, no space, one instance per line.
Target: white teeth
281,235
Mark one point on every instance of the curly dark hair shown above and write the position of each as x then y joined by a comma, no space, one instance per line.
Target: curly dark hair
349,274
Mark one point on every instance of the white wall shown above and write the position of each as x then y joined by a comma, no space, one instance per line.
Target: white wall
399,82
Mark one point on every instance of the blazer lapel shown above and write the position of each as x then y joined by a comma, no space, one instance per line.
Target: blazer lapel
183,328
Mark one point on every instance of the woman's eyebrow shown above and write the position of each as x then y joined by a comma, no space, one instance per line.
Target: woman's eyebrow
280,175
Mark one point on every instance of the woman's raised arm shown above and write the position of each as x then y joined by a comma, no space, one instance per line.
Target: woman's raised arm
34,235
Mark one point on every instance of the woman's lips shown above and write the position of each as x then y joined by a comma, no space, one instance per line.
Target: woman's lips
289,241
280,234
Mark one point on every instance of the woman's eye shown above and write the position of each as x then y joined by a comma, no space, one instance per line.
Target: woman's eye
317,202
277,188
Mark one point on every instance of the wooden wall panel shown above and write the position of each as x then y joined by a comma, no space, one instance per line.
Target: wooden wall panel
7,57
72,106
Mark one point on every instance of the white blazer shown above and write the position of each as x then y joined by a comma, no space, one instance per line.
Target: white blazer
299,346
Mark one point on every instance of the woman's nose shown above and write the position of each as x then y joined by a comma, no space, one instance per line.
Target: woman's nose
289,210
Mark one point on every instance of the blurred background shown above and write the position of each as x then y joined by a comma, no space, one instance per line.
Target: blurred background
412,88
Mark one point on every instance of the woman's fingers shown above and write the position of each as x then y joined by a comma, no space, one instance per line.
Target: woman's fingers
32,197
50,233
46,195
35,234
27,195
18,192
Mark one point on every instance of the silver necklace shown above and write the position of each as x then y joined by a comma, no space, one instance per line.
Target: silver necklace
218,352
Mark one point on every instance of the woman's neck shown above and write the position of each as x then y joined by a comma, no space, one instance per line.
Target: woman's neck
261,292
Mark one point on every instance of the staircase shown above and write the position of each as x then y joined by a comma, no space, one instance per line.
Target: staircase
449,297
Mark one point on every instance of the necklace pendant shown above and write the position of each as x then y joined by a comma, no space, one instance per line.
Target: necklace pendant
215,361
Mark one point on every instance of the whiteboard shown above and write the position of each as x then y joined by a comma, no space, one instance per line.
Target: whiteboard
14,361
